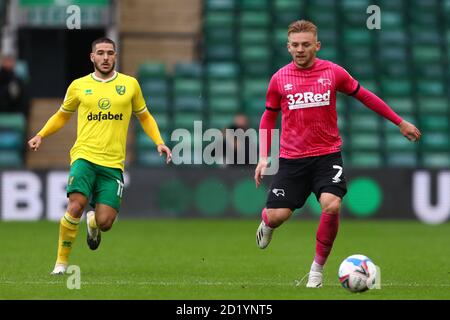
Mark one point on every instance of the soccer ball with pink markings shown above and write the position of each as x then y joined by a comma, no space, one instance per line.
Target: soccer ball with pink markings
357,273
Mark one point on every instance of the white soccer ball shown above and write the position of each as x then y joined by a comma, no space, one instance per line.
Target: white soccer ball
357,273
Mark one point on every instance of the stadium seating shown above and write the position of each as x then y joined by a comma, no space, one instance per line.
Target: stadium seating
12,139
244,42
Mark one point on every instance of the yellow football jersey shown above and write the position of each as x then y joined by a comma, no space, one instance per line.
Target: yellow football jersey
104,112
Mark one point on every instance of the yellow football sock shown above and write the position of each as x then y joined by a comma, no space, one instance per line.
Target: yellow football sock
68,229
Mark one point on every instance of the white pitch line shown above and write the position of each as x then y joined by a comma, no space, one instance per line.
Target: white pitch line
203,283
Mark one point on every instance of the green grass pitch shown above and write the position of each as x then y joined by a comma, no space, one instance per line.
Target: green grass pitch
218,259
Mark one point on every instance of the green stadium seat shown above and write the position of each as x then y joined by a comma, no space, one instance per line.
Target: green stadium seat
220,52
254,87
13,121
254,4
430,71
251,36
221,20
226,87
402,104
428,37
328,53
425,54
150,158
362,69
364,122
366,159
365,141
188,103
10,159
340,105
434,105
395,70
154,87
391,5
326,19
402,159
438,141
393,55
436,160
359,54
156,103
224,104
11,139
151,70
288,5
328,37
188,87
255,53
217,5
221,121
399,37
396,87
217,36
255,105
354,18
188,94
357,37
395,141
392,18
257,19
222,70
433,122
188,70
186,119
162,119
354,5
430,88
422,19
282,19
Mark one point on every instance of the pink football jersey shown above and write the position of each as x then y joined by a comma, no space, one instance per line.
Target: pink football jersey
307,101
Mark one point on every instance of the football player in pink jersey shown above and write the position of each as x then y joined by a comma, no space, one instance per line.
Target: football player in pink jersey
310,145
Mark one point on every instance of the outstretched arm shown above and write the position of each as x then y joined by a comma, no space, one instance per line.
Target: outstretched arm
376,104
150,127
268,123
56,122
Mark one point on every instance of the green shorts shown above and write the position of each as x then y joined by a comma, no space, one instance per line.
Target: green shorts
98,183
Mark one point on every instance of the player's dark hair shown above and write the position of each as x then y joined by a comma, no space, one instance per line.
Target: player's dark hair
103,40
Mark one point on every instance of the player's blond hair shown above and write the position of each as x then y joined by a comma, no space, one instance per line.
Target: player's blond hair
302,26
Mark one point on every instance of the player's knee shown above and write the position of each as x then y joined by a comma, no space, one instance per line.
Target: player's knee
75,208
105,224
277,216
333,207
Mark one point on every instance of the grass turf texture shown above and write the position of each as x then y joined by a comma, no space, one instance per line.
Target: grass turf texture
218,259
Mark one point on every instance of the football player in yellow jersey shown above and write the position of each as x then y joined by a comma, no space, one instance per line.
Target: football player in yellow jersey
105,100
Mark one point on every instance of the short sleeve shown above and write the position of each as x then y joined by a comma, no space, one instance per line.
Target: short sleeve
138,101
273,96
71,99
344,81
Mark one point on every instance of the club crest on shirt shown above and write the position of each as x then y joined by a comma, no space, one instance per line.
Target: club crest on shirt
324,81
120,90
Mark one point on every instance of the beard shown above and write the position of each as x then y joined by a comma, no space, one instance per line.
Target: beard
98,66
